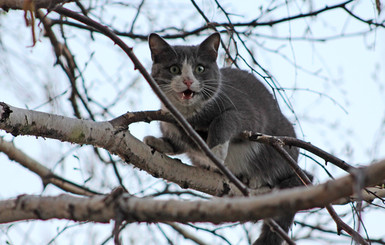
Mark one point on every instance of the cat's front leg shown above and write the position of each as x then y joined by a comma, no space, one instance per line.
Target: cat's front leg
172,141
162,144
220,151
220,133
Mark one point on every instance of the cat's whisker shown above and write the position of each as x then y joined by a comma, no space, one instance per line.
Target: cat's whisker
222,97
223,84
209,94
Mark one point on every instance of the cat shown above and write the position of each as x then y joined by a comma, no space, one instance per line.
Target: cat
220,104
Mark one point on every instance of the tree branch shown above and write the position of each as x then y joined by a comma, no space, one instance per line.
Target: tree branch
210,25
186,234
370,22
19,121
132,209
291,141
141,116
46,175
274,226
368,194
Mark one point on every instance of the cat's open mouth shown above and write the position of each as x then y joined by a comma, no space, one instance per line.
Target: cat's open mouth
187,94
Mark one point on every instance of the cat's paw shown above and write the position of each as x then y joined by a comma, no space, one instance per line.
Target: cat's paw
158,144
220,151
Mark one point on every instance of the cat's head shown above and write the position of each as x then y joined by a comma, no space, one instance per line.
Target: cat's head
188,75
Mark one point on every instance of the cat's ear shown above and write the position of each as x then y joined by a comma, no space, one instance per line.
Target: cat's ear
158,46
209,47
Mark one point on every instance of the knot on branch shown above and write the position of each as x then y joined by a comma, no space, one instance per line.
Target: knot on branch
114,195
5,112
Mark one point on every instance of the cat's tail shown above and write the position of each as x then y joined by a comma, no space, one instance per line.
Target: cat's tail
268,236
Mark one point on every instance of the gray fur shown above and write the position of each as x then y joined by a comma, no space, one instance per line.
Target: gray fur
225,102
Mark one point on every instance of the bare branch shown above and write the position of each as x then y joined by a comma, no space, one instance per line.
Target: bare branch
278,229
290,141
218,210
319,228
227,25
19,121
46,175
141,116
186,234
369,22
368,194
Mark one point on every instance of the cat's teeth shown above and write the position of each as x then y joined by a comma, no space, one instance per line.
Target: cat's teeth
186,95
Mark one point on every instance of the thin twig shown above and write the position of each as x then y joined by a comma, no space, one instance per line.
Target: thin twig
186,234
278,229
46,175
369,22
253,23
291,141
214,27
343,226
319,228
69,67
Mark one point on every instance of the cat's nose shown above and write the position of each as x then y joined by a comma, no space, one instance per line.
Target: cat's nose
188,82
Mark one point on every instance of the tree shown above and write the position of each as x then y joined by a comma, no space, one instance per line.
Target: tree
107,174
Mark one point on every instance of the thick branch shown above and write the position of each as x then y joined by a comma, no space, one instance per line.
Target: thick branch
148,116
103,134
132,209
368,194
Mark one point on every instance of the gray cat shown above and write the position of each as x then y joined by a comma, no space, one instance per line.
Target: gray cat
220,104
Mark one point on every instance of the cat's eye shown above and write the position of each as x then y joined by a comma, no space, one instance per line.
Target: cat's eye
199,69
174,69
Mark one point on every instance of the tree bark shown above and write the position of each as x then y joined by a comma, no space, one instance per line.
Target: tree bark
102,208
19,121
